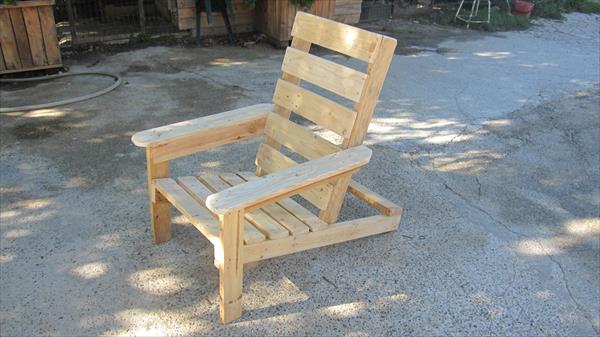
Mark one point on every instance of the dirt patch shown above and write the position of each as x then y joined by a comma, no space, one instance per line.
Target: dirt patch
415,37
41,129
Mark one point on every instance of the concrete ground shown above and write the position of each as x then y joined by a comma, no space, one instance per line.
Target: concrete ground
490,142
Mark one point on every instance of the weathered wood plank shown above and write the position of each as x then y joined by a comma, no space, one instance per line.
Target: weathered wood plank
345,39
8,42
334,77
34,33
20,31
315,108
49,35
2,64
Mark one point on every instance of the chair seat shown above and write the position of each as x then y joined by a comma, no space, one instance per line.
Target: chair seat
272,222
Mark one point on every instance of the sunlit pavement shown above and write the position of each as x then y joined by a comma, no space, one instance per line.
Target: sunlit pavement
491,147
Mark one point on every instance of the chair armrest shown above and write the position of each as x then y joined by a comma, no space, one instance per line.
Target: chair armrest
184,138
290,181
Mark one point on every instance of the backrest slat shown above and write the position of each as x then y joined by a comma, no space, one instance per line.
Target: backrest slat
344,39
316,108
297,138
349,84
334,77
271,160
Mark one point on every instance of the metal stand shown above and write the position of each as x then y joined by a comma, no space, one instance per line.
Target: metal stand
474,11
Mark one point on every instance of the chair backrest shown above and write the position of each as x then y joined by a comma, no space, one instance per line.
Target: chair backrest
359,89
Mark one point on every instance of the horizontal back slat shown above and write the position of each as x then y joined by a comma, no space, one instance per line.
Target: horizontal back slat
315,108
272,160
341,38
334,77
297,138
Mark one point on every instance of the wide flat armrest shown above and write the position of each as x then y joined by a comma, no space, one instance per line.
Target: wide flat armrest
289,181
172,132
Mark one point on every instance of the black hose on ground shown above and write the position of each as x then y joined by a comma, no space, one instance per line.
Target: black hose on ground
113,86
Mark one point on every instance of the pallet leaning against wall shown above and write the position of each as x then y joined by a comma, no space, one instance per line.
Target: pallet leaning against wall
28,37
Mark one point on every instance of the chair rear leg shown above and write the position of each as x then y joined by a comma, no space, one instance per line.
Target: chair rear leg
334,206
231,271
160,208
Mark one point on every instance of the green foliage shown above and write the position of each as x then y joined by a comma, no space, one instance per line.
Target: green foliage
582,6
303,3
8,2
502,21
551,9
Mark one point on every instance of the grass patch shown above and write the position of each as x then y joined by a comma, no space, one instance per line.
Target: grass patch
500,21
551,9
582,6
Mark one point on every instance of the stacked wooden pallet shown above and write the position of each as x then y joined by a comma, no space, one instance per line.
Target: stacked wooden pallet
347,11
241,22
28,37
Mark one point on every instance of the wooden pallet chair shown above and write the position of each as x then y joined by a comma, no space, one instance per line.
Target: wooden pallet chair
250,217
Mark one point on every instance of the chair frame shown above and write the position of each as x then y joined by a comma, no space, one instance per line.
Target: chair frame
323,180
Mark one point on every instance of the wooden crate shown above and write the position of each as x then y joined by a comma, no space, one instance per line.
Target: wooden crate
28,37
241,22
275,17
347,11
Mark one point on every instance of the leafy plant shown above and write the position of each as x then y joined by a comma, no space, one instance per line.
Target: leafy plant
8,2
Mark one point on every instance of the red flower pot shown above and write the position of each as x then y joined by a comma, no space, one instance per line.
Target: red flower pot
523,8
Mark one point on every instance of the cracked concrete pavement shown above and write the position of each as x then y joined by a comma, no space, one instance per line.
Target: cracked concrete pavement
490,142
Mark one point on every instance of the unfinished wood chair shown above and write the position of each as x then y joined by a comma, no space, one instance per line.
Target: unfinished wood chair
250,217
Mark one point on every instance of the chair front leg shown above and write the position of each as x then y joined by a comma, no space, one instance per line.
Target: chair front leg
160,208
231,270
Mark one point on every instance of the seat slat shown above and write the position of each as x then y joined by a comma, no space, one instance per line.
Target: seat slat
295,208
200,192
272,161
199,216
298,138
268,226
280,214
334,77
315,108
344,39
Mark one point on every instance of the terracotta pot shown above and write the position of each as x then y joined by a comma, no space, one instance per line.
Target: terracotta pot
523,8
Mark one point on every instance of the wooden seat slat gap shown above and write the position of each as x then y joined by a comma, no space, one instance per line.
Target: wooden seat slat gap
200,192
297,210
278,213
198,216
261,220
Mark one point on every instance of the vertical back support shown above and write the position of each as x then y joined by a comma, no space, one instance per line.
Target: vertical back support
350,123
